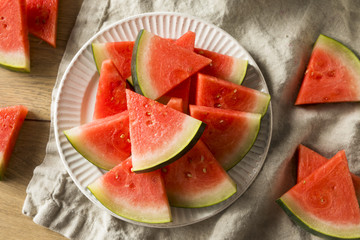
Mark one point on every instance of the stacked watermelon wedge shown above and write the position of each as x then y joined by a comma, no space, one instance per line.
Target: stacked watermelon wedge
146,138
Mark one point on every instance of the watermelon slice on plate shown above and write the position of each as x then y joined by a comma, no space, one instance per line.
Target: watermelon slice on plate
110,95
11,120
324,203
223,66
139,197
158,65
14,43
309,161
42,19
176,103
197,180
332,75
104,142
215,92
229,134
159,134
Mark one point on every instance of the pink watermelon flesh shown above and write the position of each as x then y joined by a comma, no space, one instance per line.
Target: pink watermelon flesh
139,197
11,120
309,161
223,66
110,96
197,180
214,92
104,142
187,40
176,103
325,203
159,65
14,43
229,134
42,19
332,75
159,134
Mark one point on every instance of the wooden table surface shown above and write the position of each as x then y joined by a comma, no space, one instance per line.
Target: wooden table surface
34,91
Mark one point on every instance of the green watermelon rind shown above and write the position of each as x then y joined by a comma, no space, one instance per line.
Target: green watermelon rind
16,68
101,197
192,140
241,70
99,54
282,203
134,64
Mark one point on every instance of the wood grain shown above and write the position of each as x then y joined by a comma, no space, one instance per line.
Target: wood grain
34,91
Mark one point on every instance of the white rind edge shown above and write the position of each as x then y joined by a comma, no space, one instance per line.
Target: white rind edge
68,105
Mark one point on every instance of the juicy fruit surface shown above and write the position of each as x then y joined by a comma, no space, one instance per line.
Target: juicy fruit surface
325,202
140,197
332,75
217,93
176,103
170,65
228,134
197,180
104,142
223,66
42,19
11,120
110,95
14,43
159,134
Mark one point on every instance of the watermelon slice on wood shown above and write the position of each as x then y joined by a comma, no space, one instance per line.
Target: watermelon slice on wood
229,134
223,66
104,142
159,134
42,19
332,75
324,203
139,197
197,180
158,65
11,120
14,43
110,95
215,92
309,161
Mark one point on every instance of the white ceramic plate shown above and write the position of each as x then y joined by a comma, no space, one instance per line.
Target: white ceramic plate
76,96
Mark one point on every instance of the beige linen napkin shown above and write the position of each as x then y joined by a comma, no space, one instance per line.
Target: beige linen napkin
279,35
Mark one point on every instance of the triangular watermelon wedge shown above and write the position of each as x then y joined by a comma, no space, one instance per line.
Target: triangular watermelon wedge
309,161
332,75
197,180
104,142
11,120
139,197
14,43
42,19
229,134
158,65
176,103
218,93
324,203
159,134
110,95
187,40
223,66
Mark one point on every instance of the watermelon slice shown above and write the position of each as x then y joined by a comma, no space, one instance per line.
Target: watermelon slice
159,65
187,40
11,120
214,92
110,95
229,134
223,66
309,161
42,19
139,197
180,91
197,180
324,203
14,43
104,142
176,103
159,134
333,74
